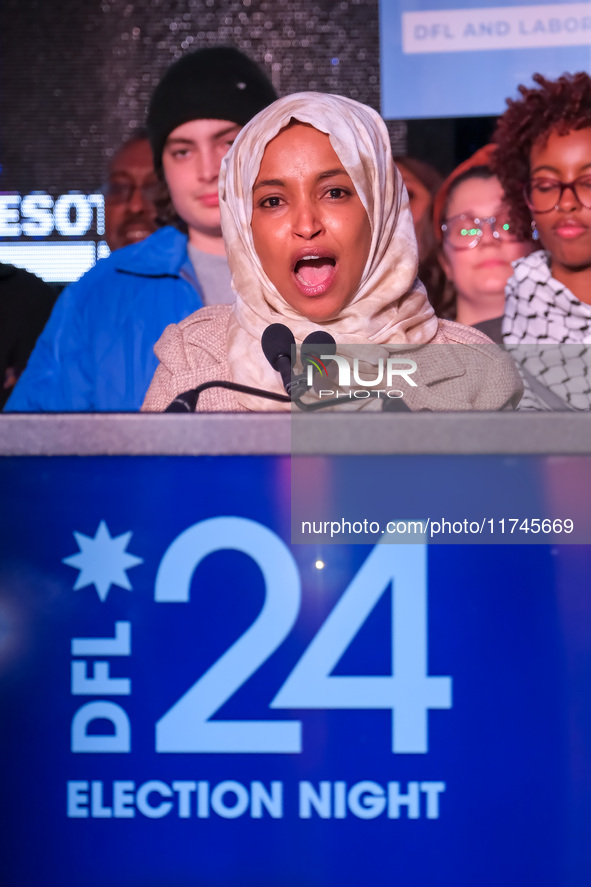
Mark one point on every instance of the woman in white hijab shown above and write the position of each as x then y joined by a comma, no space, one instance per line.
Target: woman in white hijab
319,235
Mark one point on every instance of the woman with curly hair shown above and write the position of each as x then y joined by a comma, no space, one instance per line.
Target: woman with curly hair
544,164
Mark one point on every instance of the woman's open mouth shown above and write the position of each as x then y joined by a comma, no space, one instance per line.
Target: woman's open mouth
314,273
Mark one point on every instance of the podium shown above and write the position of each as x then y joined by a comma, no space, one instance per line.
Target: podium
196,688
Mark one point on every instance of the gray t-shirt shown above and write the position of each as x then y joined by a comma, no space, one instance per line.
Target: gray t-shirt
213,274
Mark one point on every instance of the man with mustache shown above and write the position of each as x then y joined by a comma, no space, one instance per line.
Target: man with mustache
132,186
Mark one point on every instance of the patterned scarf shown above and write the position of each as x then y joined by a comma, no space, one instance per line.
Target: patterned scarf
547,330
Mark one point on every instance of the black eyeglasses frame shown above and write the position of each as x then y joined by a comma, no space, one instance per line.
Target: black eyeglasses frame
564,186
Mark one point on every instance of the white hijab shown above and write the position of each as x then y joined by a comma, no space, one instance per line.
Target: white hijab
390,305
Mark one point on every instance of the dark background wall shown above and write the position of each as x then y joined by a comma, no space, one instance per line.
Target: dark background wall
76,75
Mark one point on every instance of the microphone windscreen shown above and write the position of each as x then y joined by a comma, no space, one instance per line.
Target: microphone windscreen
318,342
276,342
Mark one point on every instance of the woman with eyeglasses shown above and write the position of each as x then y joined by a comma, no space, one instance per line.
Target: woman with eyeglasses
477,241
544,164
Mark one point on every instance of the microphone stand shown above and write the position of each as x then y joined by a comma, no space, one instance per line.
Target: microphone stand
187,402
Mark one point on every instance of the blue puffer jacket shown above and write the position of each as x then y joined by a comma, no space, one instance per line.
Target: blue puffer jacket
96,352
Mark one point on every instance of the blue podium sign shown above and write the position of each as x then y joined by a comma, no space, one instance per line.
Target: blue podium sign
189,699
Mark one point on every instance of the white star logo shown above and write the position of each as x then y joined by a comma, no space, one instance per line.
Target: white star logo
102,561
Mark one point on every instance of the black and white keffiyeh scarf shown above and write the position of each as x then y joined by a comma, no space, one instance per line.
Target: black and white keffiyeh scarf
547,331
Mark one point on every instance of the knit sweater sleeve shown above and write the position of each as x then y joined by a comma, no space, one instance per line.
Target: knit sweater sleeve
173,374
190,353
492,375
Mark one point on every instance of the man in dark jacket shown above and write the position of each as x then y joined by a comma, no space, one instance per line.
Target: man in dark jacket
96,352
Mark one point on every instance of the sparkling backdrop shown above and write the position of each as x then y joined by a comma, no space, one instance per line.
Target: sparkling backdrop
77,75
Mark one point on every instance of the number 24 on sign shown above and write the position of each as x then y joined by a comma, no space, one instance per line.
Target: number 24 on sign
409,692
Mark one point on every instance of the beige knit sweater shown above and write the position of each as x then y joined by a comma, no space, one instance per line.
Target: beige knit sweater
470,374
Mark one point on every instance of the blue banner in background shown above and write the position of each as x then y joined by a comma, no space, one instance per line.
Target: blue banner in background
188,699
441,59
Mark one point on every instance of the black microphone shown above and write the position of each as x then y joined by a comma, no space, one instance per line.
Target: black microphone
278,344
317,343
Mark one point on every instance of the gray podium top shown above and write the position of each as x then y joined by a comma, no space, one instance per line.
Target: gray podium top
135,434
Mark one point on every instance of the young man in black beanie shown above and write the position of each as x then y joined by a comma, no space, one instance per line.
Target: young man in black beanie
96,352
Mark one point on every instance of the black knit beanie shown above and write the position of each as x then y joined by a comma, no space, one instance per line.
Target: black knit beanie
217,83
